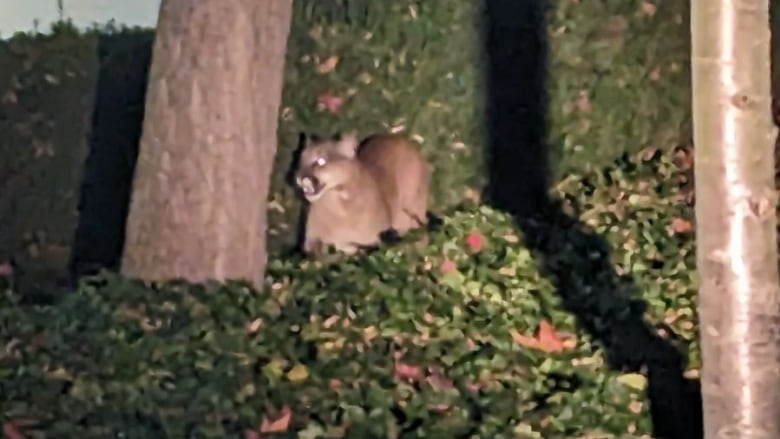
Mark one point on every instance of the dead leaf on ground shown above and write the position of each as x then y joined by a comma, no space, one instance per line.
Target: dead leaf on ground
447,266
330,321
330,102
472,194
440,408
406,372
648,8
547,339
328,65
11,432
680,225
280,424
583,102
655,74
6,269
254,326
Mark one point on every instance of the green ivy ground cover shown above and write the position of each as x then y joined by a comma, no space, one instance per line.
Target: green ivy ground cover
493,331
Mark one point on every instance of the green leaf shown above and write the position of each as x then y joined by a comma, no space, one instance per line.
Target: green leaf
634,380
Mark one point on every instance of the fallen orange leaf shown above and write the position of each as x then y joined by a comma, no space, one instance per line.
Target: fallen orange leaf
524,340
328,65
549,341
680,225
546,340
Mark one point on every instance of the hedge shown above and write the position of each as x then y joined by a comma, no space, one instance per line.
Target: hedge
495,330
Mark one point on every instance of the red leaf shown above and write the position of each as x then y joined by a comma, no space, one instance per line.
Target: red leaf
475,241
447,266
680,225
6,269
11,432
278,425
549,341
407,372
330,102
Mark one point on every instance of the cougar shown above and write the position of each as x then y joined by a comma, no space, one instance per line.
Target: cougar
358,190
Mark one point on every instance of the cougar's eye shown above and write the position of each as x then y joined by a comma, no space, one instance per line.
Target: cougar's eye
320,161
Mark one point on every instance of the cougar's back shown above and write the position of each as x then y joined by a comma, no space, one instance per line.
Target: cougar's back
402,175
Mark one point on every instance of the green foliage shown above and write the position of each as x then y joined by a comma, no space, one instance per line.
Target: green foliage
45,92
617,81
397,342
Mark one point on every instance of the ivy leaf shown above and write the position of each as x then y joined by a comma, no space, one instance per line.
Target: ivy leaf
636,381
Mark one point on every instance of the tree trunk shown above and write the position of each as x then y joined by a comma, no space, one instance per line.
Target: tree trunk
736,219
198,207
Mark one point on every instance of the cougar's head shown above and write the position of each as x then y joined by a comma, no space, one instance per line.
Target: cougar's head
321,165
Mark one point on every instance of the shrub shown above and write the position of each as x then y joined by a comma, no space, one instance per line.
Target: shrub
470,337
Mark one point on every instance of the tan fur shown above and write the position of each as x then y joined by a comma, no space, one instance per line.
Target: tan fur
403,178
357,191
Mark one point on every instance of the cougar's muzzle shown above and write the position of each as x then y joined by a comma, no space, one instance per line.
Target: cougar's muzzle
310,185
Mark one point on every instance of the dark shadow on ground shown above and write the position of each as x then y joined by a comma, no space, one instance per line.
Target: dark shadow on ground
113,148
568,253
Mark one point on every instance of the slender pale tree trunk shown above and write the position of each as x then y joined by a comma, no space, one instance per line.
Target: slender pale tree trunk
198,208
735,215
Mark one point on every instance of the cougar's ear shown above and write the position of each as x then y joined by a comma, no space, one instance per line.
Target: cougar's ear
348,143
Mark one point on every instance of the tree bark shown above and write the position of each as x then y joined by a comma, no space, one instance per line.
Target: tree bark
736,218
198,207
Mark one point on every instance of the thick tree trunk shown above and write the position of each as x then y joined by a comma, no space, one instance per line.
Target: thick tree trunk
198,208
735,216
